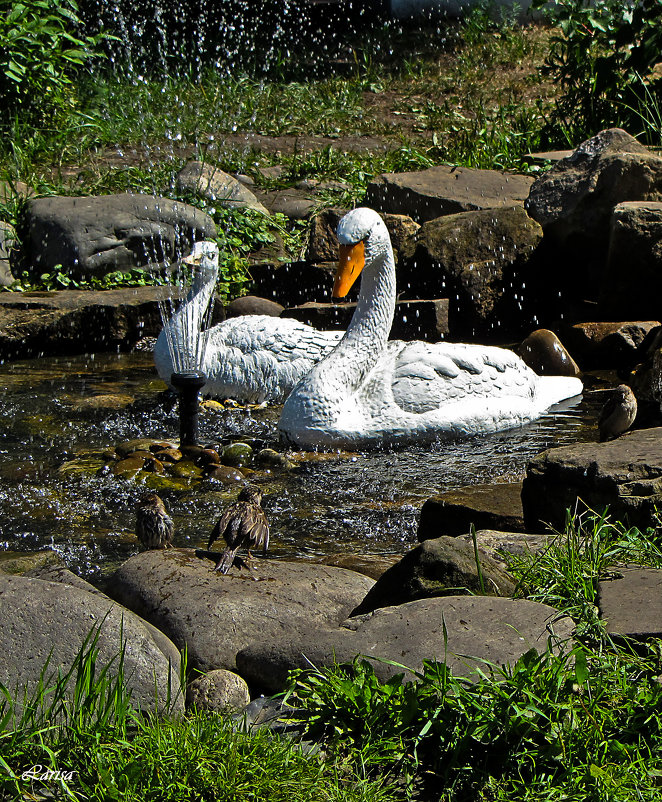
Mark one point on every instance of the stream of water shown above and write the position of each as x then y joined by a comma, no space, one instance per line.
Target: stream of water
54,409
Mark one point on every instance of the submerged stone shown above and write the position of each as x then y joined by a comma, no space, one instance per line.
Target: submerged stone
237,454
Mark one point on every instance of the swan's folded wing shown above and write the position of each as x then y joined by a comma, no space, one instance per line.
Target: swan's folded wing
429,375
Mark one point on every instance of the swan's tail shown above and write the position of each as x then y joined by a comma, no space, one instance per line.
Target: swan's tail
553,389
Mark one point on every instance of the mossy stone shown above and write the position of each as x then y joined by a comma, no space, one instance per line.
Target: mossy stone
237,454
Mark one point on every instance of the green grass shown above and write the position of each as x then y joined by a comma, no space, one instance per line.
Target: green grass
585,724
581,725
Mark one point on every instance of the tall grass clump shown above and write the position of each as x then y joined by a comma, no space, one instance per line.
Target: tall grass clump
580,723
78,735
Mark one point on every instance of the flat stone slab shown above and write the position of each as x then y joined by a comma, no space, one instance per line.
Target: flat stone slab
413,320
462,631
79,321
437,191
39,618
216,615
496,506
623,474
631,603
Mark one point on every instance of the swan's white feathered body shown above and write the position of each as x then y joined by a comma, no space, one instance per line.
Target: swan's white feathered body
369,391
251,358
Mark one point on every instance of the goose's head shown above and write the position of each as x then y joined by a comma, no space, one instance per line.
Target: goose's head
204,260
363,239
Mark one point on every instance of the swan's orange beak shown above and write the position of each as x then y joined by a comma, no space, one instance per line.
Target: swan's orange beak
351,261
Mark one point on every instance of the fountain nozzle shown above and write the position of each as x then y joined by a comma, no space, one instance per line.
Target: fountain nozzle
188,385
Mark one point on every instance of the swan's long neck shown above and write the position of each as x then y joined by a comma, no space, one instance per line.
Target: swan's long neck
186,327
368,331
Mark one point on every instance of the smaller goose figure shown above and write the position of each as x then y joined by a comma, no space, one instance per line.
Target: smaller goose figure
154,527
251,358
243,523
618,413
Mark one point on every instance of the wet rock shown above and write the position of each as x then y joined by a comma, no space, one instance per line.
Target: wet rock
483,262
168,455
624,475
82,466
496,506
413,320
630,603
218,691
19,562
217,615
237,455
207,458
297,204
76,321
48,619
445,566
462,631
269,458
185,469
252,305
91,236
226,475
611,345
632,281
128,467
443,190
213,184
544,353
578,194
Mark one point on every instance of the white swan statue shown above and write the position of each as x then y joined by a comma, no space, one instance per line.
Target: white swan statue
252,358
370,391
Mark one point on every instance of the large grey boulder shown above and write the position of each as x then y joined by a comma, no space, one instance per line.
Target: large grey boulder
445,566
41,619
216,615
624,475
483,261
437,191
95,235
461,631
631,286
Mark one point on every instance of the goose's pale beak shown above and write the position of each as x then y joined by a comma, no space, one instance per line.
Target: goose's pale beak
351,261
191,260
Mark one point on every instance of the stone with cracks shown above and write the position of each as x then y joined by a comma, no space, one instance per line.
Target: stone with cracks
624,475
462,631
95,235
427,194
216,615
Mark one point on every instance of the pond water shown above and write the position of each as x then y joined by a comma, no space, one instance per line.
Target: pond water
55,409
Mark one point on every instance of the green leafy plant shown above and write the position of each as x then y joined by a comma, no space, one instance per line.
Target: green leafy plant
40,52
604,49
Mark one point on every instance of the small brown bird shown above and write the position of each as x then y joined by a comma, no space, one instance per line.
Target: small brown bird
154,527
618,413
242,524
